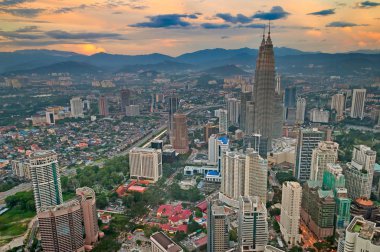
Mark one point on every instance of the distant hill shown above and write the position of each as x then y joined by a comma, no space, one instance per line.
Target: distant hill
288,60
225,71
71,67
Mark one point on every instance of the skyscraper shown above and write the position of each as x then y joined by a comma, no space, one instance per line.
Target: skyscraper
290,212
290,97
180,138
318,209
308,140
333,179
145,163
87,200
278,111
223,121
61,227
209,129
46,183
125,99
359,172
217,228
233,174
233,110
300,111
264,92
326,152
358,102
256,175
217,145
76,107
103,106
244,98
172,108
253,225
249,118
338,102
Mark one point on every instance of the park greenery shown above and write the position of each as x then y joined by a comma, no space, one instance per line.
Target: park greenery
15,221
347,139
285,176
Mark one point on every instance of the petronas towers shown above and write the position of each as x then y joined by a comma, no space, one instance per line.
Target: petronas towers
267,97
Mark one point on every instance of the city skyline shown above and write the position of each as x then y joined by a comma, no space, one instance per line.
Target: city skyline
141,27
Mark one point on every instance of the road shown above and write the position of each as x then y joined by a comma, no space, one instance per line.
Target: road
20,188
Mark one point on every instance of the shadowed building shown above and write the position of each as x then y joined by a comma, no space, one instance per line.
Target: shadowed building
180,138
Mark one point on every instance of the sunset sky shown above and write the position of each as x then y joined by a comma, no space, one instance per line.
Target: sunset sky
174,27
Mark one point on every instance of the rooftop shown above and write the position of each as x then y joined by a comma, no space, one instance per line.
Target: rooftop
165,242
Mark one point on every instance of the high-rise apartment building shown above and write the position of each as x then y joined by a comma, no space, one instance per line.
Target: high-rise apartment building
358,102
290,212
233,174
318,209
125,99
61,227
338,102
359,172
362,236
103,106
249,118
223,121
145,163
132,110
46,183
162,243
308,140
21,169
264,92
76,107
217,228
233,110
326,152
217,145
253,226
86,197
180,138
256,175
319,115
300,110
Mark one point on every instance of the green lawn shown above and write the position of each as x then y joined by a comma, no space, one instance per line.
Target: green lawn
14,223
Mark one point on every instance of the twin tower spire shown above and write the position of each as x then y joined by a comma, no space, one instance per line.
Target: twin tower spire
268,40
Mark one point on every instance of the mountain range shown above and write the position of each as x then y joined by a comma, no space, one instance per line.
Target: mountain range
223,61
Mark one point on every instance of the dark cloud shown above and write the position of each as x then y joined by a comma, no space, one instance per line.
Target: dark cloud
31,28
70,9
367,4
214,26
343,24
277,12
58,34
239,18
13,2
252,26
167,21
23,12
117,12
225,37
323,12
19,35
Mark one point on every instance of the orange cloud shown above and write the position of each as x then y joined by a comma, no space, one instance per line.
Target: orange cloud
314,33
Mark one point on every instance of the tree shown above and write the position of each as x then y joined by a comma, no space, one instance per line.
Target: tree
101,201
198,213
276,226
233,235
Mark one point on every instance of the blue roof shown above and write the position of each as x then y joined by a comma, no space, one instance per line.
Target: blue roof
213,173
224,139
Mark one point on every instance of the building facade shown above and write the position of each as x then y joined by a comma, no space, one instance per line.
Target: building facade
162,243
253,226
180,138
103,106
145,163
46,181
217,228
61,227
338,103
256,175
76,107
358,102
233,174
300,110
290,212
325,153
308,140
223,121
